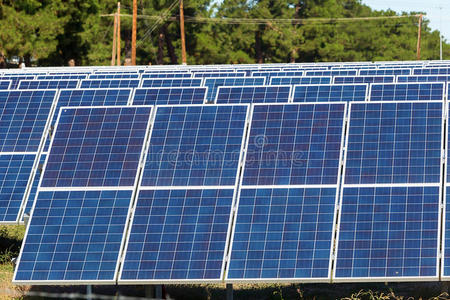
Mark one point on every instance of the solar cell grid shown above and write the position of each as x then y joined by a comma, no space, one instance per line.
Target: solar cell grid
168,96
166,75
171,82
61,77
331,73
406,91
114,76
110,83
392,71
5,84
214,83
432,71
195,146
34,186
219,74
48,84
363,79
253,94
423,78
332,92
291,80
96,147
15,80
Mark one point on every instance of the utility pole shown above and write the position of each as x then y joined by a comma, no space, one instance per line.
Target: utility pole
419,35
183,41
440,34
133,34
118,33
113,57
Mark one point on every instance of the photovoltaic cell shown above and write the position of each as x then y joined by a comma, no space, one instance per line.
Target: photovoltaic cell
74,236
294,144
48,84
61,77
253,94
166,75
388,232
114,76
394,143
4,84
363,79
268,75
283,233
15,172
332,92
171,82
279,80
432,71
424,78
15,80
214,83
406,91
332,73
172,95
178,235
195,146
23,117
393,71
110,83
96,147
219,74
446,237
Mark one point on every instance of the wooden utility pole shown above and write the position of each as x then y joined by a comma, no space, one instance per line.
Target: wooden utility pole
133,34
113,57
118,33
183,41
419,36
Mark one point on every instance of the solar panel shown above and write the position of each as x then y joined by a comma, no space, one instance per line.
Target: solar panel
74,237
178,235
423,78
166,75
15,80
388,232
172,95
396,142
110,83
292,144
268,75
363,79
253,94
15,170
332,73
219,74
165,70
23,119
393,71
283,234
61,77
432,71
96,147
48,84
171,82
5,84
28,205
331,92
288,80
114,76
406,91
195,146
214,83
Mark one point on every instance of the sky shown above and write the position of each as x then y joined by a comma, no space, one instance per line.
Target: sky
437,11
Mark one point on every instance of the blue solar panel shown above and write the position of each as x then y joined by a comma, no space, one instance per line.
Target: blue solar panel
114,76
15,80
332,73
423,78
294,144
219,74
406,91
388,232
15,172
171,82
166,71
173,95
74,236
299,80
432,71
178,235
254,94
61,77
214,83
213,70
5,84
268,75
48,84
23,118
195,145
166,75
393,71
110,83
96,147
446,237
394,143
332,92
34,185
363,79
283,233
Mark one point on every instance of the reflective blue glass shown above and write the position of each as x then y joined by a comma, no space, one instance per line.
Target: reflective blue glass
424,78
48,84
299,80
15,80
253,94
171,82
393,71
114,76
214,83
327,93
407,91
432,71
62,76
110,83
34,186
332,73
219,74
363,79
172,95
166,75
4,84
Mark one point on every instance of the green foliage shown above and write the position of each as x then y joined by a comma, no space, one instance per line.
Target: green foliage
52,32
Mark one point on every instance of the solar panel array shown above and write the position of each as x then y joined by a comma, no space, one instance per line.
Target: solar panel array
256,173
